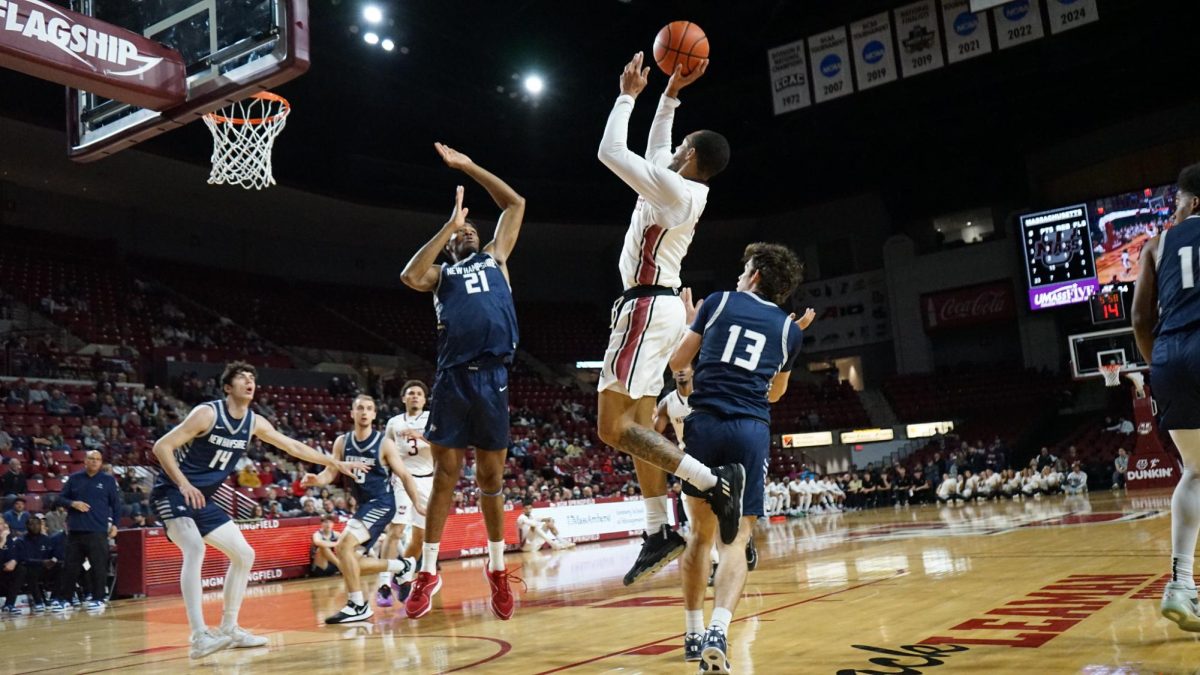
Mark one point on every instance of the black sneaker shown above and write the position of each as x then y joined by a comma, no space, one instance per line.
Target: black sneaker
725,498
713,653
692,644
657,552
351,613
751,555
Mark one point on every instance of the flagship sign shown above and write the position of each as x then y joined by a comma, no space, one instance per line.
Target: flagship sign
970,306
52,43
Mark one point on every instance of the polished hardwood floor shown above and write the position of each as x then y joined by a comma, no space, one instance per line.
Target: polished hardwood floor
1053,585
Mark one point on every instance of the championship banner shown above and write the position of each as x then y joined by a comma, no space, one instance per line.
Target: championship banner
851,311
874,54
919,38
53,43
967,34
968,306
1018,22
789,77
829,53
1068,14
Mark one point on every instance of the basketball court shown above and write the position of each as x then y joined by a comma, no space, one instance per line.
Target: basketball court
1043,585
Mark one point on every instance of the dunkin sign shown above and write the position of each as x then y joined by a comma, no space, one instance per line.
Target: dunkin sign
968,306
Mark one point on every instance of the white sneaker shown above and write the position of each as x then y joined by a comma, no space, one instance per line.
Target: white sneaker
207,642
1179,604
243,639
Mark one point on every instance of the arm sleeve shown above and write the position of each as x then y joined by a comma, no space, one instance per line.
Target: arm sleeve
658,147
795,342
705,314
68,492
659,186
114,502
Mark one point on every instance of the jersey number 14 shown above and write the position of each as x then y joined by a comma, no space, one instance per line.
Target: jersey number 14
220,460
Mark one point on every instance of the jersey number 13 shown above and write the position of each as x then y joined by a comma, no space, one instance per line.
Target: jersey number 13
752,346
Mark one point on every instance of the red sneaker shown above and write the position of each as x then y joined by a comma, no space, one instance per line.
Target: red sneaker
502,597
420,598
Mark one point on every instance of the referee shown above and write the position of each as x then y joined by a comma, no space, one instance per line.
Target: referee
93,505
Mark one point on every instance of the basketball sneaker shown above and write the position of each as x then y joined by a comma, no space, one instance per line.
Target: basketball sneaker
751,555
383,597
401,589
712,654
243,639
206,642
351,612
692,644
1179,604
725,498
503,603
658,550
420,597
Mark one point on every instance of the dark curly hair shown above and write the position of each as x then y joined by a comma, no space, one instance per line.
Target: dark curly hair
779,270
233,368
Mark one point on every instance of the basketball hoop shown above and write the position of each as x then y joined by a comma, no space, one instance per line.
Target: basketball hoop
1111,373
243,136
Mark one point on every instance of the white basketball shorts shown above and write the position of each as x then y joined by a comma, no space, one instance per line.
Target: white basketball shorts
405,513
644,334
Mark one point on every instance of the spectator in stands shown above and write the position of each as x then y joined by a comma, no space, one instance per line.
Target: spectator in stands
38,394
17,517
248,477
339,508
19,393
56,519
1120,466
324,545
41,567
95,503
1045,459
12,572
257,513
139,521
91,406
108,408
6,441
58,404
93,438
13,482
309,509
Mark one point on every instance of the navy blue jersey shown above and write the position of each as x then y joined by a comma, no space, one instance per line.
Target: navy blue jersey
1178,290
746,342
209,459
475,313
374,483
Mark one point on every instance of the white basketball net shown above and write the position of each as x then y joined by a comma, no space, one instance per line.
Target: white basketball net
243,136
1112,374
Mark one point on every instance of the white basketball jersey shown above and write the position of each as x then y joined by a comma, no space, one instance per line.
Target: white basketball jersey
677,410
417,455
658,239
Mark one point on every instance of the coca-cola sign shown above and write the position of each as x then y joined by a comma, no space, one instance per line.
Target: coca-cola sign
52,43
969,306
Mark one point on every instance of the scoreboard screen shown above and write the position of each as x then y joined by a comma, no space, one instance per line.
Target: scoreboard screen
1058,257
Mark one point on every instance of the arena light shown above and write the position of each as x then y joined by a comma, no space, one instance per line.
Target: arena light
371,38
534,84
373,14
387,45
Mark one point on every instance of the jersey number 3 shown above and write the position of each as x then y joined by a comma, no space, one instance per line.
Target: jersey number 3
477,282
753,347
220,460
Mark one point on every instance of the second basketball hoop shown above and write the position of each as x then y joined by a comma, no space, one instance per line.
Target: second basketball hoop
243,137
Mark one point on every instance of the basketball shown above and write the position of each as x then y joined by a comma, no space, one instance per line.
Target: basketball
680,42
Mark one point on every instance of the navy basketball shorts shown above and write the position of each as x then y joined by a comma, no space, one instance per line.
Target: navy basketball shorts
470,408
169,504
717,441
1175,380
371,519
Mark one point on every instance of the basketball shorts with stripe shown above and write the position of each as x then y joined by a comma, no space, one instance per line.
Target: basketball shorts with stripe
644,333
371,519
405,513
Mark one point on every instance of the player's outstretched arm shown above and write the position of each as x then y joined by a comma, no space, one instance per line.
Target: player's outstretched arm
1145,299
327,474
391,455
512,204
421,274
658,185
196,424
269,434
658,147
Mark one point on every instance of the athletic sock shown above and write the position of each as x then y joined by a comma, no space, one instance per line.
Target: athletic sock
1185,524
429,554
695,472
385,577
495,556
720,620
656,513
395,566
356,597
693,620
